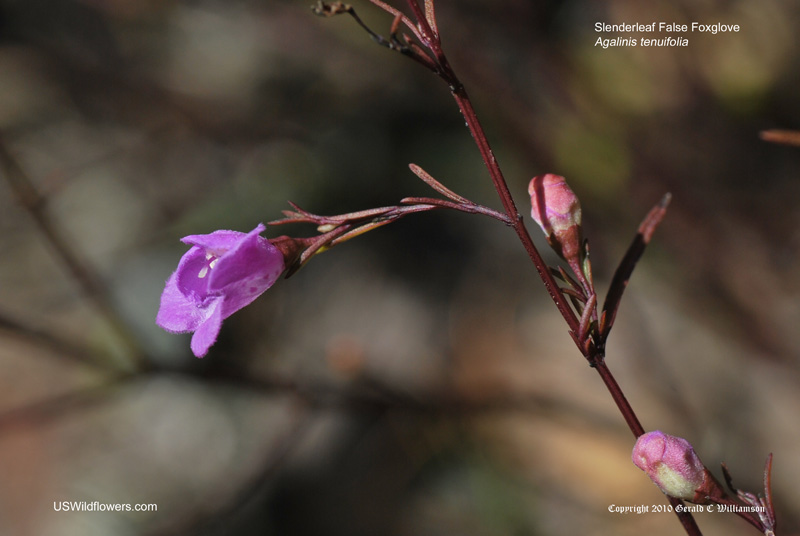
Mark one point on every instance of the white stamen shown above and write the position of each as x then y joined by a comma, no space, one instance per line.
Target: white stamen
204,270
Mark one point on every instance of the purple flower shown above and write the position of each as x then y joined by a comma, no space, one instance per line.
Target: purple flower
220,274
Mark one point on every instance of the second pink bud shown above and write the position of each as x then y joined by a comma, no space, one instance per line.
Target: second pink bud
555,207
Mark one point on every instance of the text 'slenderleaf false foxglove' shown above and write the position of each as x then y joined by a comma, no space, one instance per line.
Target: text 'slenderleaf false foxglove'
222,272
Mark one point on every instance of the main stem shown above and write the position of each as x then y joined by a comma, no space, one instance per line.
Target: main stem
517,223
595,358
686,519
510,208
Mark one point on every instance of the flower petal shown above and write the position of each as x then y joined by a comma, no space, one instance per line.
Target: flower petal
206,334
221,241
192,274
253,258
177,313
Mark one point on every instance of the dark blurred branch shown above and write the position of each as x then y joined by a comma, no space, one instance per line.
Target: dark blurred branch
90,283
364,393
58,406
57,345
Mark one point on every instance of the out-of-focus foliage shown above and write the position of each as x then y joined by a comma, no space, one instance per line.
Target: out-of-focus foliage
327,406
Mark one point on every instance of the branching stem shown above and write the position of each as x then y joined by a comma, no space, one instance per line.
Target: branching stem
592,353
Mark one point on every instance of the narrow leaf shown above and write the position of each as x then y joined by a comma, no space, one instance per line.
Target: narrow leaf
436,185
430,16
586,317
623,273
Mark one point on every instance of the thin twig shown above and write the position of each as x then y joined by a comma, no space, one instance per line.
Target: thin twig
55,344
56,406
469,208
399,14
785,137
91,284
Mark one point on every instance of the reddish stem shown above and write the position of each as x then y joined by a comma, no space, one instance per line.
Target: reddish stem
596,359
510,208
430,39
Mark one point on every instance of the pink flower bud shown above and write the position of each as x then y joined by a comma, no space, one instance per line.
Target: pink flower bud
672,464
558,212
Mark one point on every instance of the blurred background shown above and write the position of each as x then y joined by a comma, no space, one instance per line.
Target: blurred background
418,380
